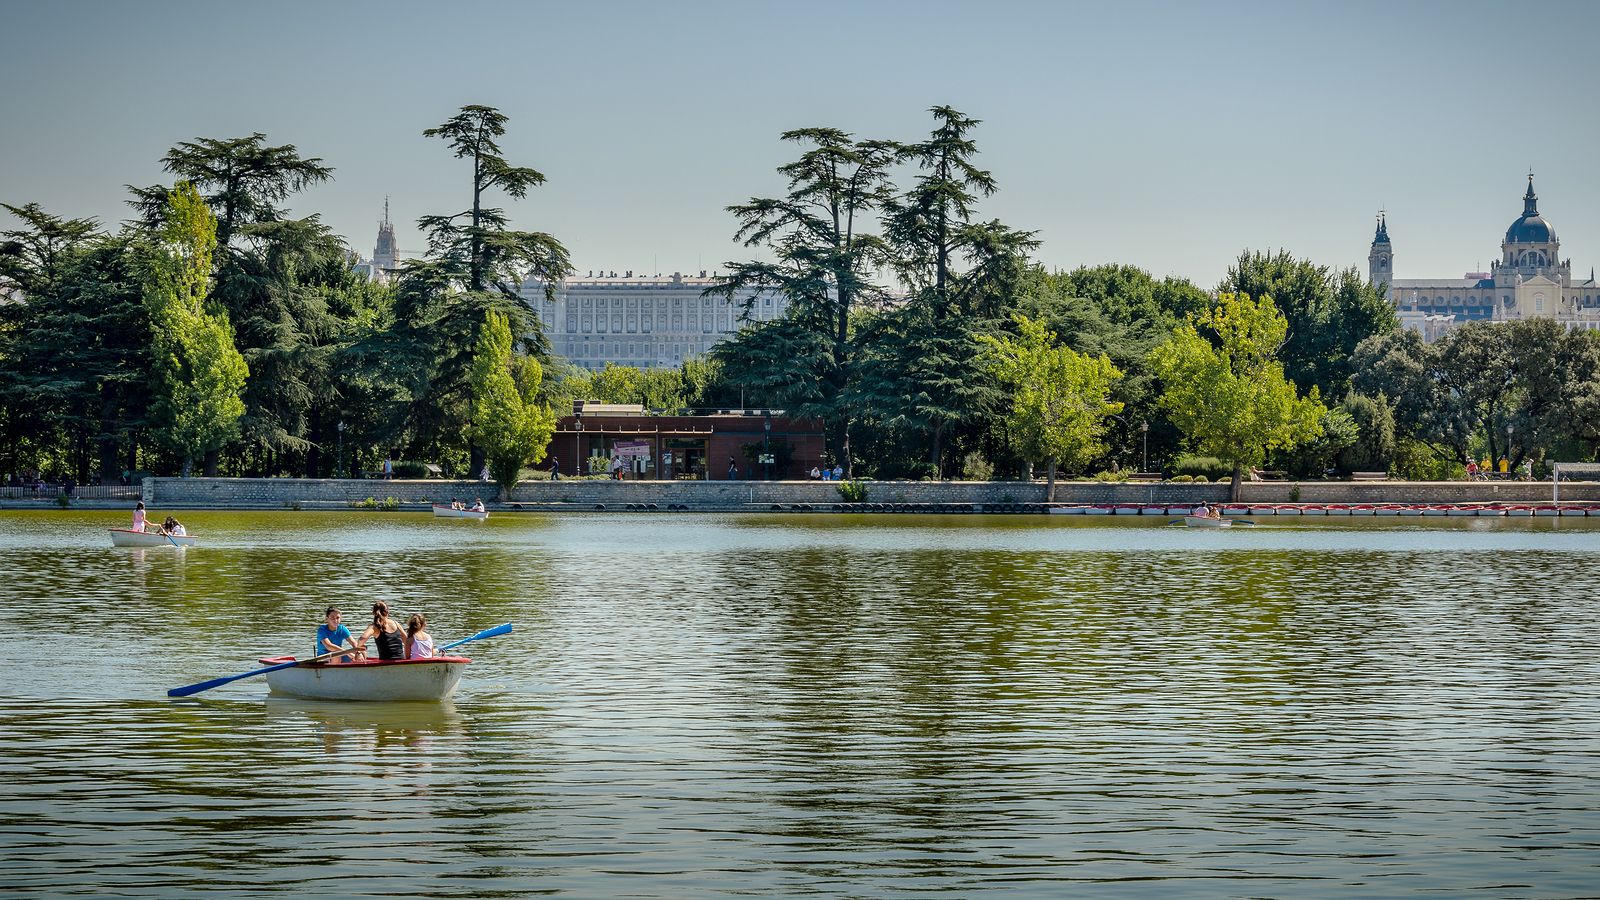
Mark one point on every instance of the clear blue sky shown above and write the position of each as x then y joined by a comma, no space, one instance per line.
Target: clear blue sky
1167,135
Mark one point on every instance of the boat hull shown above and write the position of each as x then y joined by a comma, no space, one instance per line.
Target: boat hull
445,512
1206,522
373,681
127,537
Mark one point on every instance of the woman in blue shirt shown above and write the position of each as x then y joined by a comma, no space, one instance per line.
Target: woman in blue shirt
331,635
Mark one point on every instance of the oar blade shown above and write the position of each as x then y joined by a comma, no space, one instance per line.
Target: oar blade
496,631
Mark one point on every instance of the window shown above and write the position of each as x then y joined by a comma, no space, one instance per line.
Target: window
588,325
572,323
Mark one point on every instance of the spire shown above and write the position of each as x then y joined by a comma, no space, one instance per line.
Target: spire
1530,200
1381,236
386,210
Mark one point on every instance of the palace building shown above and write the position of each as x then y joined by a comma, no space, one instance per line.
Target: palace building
638,320
1530,280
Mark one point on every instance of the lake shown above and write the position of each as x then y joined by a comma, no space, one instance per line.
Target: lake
833,705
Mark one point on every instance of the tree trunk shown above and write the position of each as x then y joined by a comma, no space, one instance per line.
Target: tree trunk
212,457
1050,483
1238,479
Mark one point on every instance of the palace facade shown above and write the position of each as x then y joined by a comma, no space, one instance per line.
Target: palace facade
641,320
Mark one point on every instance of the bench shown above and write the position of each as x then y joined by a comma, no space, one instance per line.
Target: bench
1369,476
1145,476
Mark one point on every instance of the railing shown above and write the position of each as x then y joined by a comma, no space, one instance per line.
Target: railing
49,492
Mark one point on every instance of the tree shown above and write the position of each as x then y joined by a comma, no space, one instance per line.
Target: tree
821,256
1060,399
1327,313
243,180
198,371
508,422
922,375
475,265
1224,387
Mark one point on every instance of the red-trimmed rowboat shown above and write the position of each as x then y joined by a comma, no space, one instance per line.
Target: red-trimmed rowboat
372,680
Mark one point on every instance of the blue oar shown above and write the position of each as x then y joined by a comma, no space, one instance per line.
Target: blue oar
218,682
486,633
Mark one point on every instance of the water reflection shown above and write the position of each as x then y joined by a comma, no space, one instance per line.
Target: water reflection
836,705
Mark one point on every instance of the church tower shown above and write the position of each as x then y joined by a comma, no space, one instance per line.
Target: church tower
1380,259
386,255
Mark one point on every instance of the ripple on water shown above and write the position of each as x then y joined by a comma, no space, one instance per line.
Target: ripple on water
843,706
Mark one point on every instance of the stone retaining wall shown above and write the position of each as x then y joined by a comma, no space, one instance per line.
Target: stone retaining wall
260,493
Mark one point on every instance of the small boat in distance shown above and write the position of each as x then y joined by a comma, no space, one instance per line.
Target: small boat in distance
370,680
127,537
446,512
1206,522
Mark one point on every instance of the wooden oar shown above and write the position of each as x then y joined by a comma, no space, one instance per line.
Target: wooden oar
218,682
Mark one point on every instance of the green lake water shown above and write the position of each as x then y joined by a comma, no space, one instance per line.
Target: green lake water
785,705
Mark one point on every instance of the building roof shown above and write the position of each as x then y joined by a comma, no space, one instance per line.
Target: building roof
1530,227
1403,284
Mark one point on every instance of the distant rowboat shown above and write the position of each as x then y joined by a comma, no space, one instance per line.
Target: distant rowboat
127,537
1206,522
445,512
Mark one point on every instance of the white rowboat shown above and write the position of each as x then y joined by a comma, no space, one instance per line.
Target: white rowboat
445,512
372,680
127,537
1206,522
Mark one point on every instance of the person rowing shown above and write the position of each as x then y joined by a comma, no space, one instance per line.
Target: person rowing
477,504
331,635
388,634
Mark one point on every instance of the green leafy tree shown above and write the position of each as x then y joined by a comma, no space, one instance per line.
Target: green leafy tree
198,371
508,422
923,376
1224,387
819,256
74,344
475,264
1059,399
1328,314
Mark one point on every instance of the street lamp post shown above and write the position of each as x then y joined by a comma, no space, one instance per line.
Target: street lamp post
338,467
1145,428
579,463
1508,448
766,444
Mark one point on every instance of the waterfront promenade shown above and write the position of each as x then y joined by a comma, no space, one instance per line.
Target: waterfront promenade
708,496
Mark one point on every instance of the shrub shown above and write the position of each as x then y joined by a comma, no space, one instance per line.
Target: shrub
1109,476
1183,478
975,468
853,491
1201,479
63,501
1209,466
410,469
389,504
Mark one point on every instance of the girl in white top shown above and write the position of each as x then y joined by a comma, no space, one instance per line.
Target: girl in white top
419,643
139,517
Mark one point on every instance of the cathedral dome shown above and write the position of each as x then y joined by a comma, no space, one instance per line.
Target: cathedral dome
1530,227
1530,230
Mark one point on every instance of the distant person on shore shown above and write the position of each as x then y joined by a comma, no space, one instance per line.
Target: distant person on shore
816,474
139,517
838,472
733,469
332,635
1472,470
419,643
555,468
388,469
388,634
483,474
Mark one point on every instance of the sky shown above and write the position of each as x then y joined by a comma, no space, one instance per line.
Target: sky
1171,136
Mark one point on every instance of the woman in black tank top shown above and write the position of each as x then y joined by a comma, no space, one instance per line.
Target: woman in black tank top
386,632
